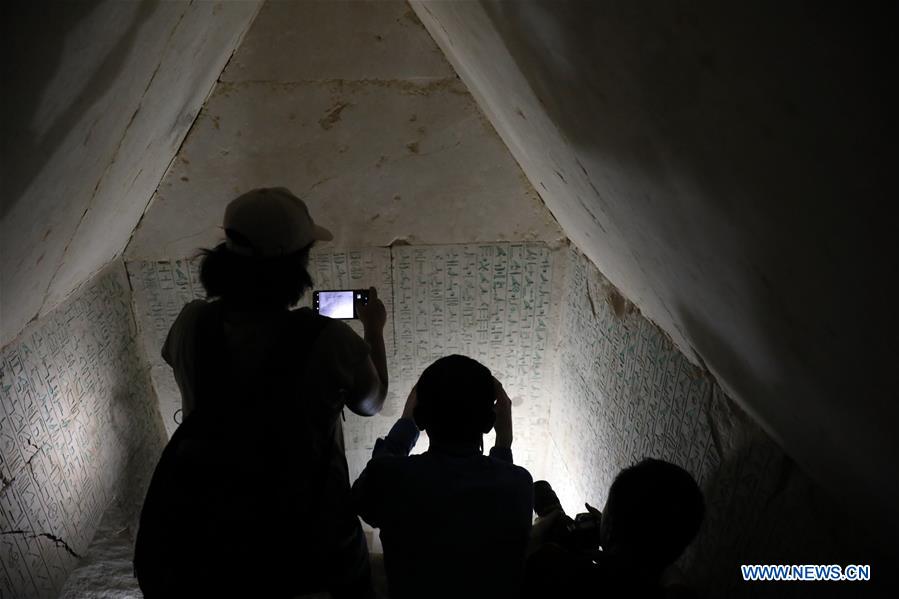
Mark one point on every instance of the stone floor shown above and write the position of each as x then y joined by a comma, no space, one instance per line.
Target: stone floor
105,571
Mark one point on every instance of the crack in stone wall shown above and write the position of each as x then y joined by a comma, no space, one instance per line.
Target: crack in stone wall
33,535
77,409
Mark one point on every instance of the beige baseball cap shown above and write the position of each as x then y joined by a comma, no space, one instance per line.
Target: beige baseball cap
268,222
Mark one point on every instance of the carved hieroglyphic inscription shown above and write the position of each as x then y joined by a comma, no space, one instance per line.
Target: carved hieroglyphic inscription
488,301
76,405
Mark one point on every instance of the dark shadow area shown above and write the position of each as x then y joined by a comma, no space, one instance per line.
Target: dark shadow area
34,39
794,522
789,519
745,153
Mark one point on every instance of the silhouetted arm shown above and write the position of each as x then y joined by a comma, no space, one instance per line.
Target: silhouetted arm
399,441
502,447
179,352
366,396
403,435
372,490
368,495
369,390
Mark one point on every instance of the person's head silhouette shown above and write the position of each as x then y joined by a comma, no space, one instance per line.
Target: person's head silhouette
653,512
262,262
455,401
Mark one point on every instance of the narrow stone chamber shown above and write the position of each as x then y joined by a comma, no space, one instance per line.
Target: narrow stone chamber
354,108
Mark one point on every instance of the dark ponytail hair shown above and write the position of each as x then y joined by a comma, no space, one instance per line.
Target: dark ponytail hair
250,281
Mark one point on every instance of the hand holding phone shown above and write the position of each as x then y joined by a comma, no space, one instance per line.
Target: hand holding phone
372,313
503,409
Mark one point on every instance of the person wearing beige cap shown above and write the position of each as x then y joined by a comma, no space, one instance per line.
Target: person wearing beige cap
251,495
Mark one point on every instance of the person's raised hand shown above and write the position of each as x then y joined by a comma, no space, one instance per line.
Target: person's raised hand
372,315
411,402
503,425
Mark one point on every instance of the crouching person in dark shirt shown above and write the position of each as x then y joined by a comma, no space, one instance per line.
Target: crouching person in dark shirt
653,511
454,522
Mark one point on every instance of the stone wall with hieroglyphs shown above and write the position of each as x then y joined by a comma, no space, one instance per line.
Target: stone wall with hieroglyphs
78,427
492,302
623,392
595,385
489,301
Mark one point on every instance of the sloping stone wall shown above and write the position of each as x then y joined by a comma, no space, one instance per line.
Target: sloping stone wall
78,427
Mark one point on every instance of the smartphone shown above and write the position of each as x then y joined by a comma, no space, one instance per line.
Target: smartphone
338,303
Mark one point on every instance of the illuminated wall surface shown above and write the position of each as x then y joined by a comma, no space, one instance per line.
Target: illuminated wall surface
614,391
623,392
78,426
488,301
595,386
